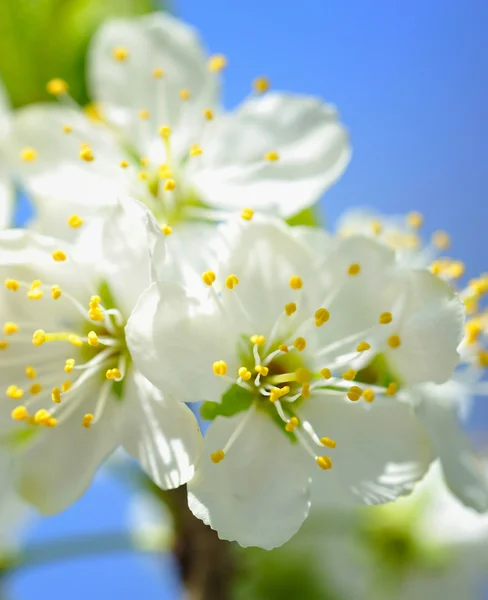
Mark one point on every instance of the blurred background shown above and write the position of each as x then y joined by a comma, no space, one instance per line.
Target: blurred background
410,80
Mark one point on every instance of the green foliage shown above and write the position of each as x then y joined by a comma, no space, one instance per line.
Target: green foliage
234,401
42,39
309,216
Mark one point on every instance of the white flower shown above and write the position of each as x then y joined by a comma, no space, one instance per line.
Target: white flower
163,139
292,340
441,406
6,187
14,514
73,394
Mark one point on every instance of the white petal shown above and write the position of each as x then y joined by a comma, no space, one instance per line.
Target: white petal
313,151
124,88
382,449
161,433
174,341
259,494
7,198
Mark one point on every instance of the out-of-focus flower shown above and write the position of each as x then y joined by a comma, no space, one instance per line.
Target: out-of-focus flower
157,133
302,342
6,187
73,393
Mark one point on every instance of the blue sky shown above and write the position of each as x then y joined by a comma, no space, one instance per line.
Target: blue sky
410,80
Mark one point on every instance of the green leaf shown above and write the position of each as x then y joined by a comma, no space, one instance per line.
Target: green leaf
310,217
234,401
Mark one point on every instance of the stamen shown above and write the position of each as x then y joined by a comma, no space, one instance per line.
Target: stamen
261,85
349,375
231,281
158,73
324,462
296,282
441,240
322,315
30,372
185,94
415,220
261,369
35,389
290,308
86,153
394,341
218,456
208,114
220,368
56,395
244,374
70,363
362,347
124,164
3,344
10,328
169,185
217,63
120,53
167,229
28,154
354,269
195,150
14,392
59,255
385,318
12,285
67,129
368,395
325,373
20,413
392,389
247,214
328,442
208,278
56,292
57,87
92,339
259,340
354,393
87,420
292,424
300,344
272,156
144,114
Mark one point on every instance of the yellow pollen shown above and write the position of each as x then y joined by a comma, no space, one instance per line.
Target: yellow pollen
144,114
456,269
158,73
377,227
218,456
51,422
70,363
28,154
322,315
354,269
325,373
362,347
247,214
262,370
324,462
66,386
208,278
472,331
436,267
217,63
394,341
20,413
67,129
120,53
296,282
56,292
124,164
86,153
144,161
272,156
303,375
42,417
306,390
328,442
283,348
3,344
261,85
185,94
87,420
483,358
35,388
167,229
165,172
12,285
392,389
142,175
368,395
349,375
93,338
195,150
300,344
441,240
10,328
75,221
231,281
354,393
113,374
257,339
385,318
57,87
415,220
244,374
14,392
30,372
59,255
35,293
169,185
290,308
208,114
219,368
75,340
39,337
292,424
165,131
56,395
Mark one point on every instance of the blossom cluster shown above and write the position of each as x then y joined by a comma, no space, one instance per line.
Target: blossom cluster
163,277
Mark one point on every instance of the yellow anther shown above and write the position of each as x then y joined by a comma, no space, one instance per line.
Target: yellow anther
219,368
392,389
59,255
472,331
167,229
120,53
51,422
259,340
394,341
415,220
483,358
165,172
57,87
67,129
20,413
300,344
208,278
262,370
283,348
306,390
325,373
368,395
324,462
70,363
39,337
36,283
354,393
75,221
96,314
322,315
292,424
261,85
66,386
144,114
28,154
86,153
10,328
354,269
441,240
144,161
349,375
30,372
274,394
244,374
87,420
165,131
376,227
303,375
436,267
272,156
362,347
124,164
385,318
42,417
328,442
195,150
3,344
56,292
12,285
35,388
247,214
296,282
208,114
14,392
142,175
456,269
93,338
185,94
35,293
75,340
290,308
217,63
231,281
158,73
169,185
56,395
218,456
